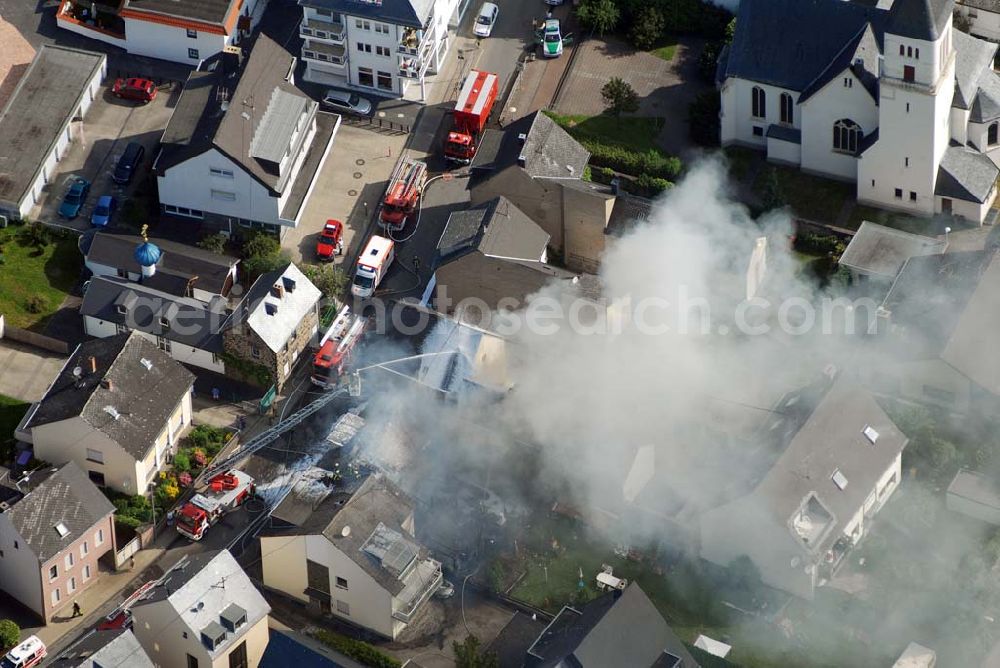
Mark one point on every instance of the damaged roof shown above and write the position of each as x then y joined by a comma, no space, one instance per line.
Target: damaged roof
546,150
54,508
495,228
130,397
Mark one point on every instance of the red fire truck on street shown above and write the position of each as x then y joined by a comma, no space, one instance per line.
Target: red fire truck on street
226,491
472,111
403,194
336,347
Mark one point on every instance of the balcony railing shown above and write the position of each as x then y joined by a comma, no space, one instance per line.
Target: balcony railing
325,30
325,53
420,584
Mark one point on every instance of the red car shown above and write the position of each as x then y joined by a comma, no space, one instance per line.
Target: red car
330,242
141,90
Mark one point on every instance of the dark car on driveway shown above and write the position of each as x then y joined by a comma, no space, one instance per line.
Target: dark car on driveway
127,165
140,90
74,198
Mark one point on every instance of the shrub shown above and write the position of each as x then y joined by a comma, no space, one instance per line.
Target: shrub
10,633
600,16
34,304
708,61
182,462
819,244
34,234
627,161
703,118
356,649
213,242
651,186
128,521
262,253
647,28
620,97
772,195
331,280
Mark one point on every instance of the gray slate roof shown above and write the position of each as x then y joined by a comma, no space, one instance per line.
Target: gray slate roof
784,133
790,43
105,649
628,211
198,122
210,11
972,57
985,5
178,260
882,251
966,175
274,330
40,107
621,628
413,13
376,502
495,228
976,487
919,19
200,590
61,494
986,107
549,151
143,398
193,322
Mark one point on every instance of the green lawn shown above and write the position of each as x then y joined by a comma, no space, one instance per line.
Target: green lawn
811,197
741,160
11,412
26,271
635,132
666,51
905,222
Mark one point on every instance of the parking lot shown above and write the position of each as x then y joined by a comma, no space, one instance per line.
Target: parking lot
108,127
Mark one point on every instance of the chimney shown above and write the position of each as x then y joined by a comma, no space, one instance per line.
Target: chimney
92,363
277,290
270,308
107,384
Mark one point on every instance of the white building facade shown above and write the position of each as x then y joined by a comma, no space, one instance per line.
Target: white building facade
377,47
893,99
983,17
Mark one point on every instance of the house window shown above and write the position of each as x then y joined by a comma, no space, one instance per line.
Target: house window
193,34
758,99
163,344
385,81
55,596
164,323
907,107
913,196
121,329
53,573
848,82
906,161
68,560
787,107
382,28
382,51
86,572
758,131
991,133
193,54
366,77
224,173
224,195
97,478
99,538
916,54
888,483
909,74
362,25
192,662
84,550
122,309
909,52
238,657
364,48
72,586
846,135
255,352
899,193
343,608
341,583
902,50
215,358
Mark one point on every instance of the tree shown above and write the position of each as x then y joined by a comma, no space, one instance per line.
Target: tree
600,16
10,634
331,280
772,196
213,242
703,118
647,28
730,30
262,253
469,654
619,96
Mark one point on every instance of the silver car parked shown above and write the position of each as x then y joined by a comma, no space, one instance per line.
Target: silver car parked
347,102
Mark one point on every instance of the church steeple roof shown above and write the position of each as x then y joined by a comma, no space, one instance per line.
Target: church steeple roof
919,19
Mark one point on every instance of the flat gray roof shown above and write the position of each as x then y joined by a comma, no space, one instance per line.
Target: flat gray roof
882,251
976,487
211,11
38,112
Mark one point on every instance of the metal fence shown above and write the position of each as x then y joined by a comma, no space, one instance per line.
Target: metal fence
376,123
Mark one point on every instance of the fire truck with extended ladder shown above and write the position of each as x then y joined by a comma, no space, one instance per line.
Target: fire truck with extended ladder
336,347
403,195
121,617
226,491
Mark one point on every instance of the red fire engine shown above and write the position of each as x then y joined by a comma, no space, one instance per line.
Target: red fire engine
403,194
472,111
336,346
226,492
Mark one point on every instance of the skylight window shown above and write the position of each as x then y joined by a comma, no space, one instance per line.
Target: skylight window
839,479
61,530
870,434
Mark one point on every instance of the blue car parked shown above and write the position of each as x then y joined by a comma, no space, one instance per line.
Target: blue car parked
74,199
101,216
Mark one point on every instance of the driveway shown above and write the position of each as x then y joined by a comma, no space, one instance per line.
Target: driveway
99,140
665,88
25,373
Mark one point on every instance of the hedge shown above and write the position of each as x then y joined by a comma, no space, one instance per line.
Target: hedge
356,649
627,161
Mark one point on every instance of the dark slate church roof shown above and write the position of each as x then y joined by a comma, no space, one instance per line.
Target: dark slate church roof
919,19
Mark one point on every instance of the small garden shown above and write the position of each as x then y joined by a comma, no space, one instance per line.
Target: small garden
196,451
38,268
